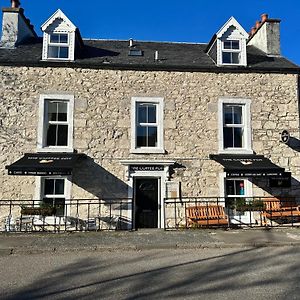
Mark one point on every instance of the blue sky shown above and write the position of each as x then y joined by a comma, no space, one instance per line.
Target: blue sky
168,20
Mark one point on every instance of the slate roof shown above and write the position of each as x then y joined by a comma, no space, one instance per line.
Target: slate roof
112,54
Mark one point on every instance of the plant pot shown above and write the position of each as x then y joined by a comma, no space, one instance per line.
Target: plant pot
41,211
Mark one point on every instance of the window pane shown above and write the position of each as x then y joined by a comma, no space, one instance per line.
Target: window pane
63,38
62,135
151,114
238,137
237,115
141,136
228,137
63,52
235,45
142,113
235,58
60,206
52,111
228,117
235,187
48,201
227,45
53,51
226,58
51,135
54,38
48,186
62,108
152,136
59,187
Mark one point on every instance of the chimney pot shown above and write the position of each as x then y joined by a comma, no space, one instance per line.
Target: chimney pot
15,3
257,24
253,30
264,17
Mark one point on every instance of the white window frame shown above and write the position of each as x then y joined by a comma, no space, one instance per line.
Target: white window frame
67,194
41,144
158,101
51,44
70,45
247,139
248,189
239,51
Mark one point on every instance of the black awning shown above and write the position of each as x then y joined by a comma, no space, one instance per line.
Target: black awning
247,165
45,164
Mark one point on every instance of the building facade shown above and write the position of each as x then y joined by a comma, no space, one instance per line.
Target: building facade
102,119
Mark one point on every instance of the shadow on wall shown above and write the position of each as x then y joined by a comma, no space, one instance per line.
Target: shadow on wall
283,192
98,181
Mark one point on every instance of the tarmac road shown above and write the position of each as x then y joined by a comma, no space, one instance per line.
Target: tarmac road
228,273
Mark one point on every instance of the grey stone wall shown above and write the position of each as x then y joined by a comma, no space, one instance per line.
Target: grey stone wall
102,124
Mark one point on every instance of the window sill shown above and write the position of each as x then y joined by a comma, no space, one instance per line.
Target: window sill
55,150
235,151
148,151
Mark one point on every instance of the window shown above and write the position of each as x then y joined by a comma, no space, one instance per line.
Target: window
58,45
233,130
235,194
234,126
231,52
53,194
147,125
60,38
56,123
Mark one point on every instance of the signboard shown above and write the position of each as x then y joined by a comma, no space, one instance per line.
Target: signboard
39,173
281,182
148,168
285,136
244,173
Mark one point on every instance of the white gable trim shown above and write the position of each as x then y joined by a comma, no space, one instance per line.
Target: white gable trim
58,15
232,22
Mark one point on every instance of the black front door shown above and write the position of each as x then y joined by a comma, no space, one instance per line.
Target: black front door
146,202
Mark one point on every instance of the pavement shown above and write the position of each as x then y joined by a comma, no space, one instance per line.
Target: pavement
30,243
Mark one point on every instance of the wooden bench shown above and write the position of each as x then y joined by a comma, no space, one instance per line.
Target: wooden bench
280,208
206,215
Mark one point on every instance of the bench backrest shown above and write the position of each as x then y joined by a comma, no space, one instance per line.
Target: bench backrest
272,204
206,212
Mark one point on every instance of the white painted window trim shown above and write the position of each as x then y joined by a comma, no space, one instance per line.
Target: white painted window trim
42,118
71,45
242,51
248,186
247,125
160,118
67,194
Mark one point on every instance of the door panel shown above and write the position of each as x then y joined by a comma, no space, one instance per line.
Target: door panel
146,202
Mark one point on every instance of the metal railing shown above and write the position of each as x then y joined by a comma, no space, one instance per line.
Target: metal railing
73,215
203,212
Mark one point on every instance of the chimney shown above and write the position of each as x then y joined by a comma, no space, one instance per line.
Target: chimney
15,27
266,36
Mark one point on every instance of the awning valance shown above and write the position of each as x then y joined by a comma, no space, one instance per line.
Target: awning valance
247,165
45,164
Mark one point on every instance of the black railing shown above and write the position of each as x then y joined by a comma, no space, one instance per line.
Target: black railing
201,212
73,215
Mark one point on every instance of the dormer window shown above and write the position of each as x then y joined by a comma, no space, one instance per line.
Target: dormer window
231,52
61,38
58,46
228,46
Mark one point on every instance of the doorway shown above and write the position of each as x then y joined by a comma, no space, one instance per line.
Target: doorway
146,195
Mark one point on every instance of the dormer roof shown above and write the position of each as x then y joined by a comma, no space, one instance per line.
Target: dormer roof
232,22
58,15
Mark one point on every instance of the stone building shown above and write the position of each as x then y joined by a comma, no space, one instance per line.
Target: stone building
99,119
